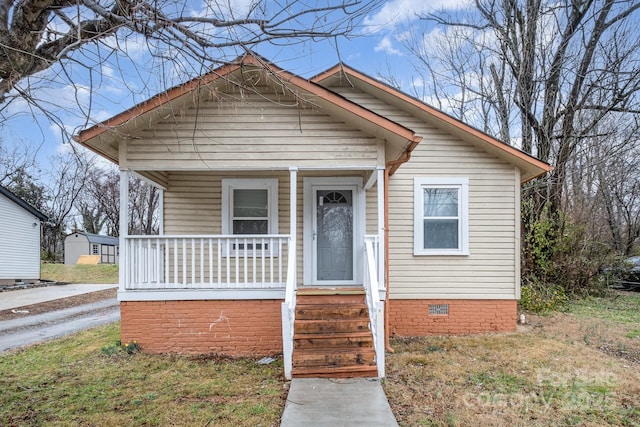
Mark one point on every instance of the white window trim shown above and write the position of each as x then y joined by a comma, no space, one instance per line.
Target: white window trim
460,183
230,184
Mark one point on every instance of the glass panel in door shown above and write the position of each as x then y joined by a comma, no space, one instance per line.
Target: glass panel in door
334,238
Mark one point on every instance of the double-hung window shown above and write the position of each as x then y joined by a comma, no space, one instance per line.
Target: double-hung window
441,216
250,207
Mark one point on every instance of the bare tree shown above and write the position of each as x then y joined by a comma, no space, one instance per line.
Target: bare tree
144,201
73,39
64,187
16,163
561,81
564,66
99,204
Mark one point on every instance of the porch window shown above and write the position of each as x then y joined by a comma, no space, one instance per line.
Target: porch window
250,207
441,216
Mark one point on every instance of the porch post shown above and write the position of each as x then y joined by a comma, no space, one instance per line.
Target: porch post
161,212
124,228
381,253
293,213
289,304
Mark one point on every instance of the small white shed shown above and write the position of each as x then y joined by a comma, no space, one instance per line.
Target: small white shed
82,243
20,234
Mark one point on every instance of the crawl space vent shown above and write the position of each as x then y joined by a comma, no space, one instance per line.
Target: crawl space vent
438,309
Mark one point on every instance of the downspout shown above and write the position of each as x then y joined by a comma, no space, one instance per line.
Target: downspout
390,168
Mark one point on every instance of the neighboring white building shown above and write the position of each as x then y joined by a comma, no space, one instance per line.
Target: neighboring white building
82,243
20,234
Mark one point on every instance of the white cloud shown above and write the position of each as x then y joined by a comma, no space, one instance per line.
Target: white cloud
401,11
134,45
386,46
232,9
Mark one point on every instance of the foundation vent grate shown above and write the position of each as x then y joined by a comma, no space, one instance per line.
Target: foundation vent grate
438,309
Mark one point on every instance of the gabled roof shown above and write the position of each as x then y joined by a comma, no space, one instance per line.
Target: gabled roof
529,165
104,137
101,138
24,205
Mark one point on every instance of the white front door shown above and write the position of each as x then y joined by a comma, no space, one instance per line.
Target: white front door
333,231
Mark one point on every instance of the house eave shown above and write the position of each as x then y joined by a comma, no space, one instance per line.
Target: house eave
24,205
103,138
530,167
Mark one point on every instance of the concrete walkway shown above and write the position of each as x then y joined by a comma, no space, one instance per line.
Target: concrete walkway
22,297
337,402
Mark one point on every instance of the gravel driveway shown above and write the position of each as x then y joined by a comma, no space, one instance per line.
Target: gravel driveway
31,329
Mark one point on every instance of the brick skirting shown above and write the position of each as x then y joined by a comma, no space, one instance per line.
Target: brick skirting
229,327
412,318
254,327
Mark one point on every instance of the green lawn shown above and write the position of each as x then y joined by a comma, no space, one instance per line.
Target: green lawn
100,273
623,307
578,368
87,380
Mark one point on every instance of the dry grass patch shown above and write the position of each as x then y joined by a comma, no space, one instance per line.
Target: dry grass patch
74,382
556,371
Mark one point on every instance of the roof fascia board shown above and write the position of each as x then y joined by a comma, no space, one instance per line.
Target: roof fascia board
154,102
339,101
23,204
279,74
441,117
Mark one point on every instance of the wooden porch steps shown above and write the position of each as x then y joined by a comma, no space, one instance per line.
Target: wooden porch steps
332,337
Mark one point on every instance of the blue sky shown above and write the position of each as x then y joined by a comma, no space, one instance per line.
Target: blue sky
119,82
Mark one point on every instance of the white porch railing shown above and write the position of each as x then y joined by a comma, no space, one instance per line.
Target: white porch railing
205,262
376,306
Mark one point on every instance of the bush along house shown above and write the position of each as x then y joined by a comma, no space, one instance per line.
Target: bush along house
313,218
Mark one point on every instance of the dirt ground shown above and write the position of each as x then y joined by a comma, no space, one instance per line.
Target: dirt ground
58,304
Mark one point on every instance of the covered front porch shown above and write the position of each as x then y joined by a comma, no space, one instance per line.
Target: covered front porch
280,232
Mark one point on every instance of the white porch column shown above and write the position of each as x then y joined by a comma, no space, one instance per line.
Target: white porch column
381,252
289,304
293,214
124,227
161,212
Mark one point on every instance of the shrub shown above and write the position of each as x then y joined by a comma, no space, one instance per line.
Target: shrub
543,299
559,253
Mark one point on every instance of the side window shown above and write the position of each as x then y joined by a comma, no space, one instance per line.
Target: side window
441,216
94,249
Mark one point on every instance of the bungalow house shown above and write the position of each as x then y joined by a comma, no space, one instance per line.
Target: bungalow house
105,249
20,234
313,217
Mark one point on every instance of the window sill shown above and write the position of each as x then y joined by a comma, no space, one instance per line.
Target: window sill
441,253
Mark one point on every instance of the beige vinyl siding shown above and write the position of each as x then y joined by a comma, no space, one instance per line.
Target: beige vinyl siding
250,132
193,206
490,271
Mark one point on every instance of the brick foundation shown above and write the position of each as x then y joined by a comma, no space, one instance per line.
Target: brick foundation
411,317
234,327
